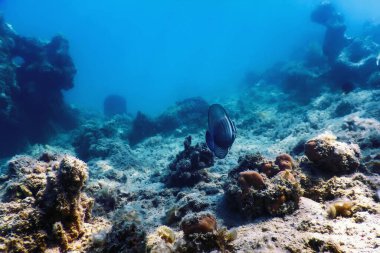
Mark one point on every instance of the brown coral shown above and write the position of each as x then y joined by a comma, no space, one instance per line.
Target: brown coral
287,175
275,205
251,179
285,162
268,169
199,223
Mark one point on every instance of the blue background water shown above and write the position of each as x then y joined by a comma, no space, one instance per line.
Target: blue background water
157,52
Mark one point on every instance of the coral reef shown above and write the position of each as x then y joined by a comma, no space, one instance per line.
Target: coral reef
33,74
331,155
187,169
271,192
44,203
164,181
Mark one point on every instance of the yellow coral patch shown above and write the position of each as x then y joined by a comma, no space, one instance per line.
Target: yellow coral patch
166,234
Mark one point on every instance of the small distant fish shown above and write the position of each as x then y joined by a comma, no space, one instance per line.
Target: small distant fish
378,60
221,131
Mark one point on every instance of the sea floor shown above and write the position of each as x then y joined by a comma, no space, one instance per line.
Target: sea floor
128,183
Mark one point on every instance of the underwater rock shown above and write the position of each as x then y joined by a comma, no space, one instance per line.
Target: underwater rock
125,236
374,80
314,57
276,192
355,63
187,169
185,204
201,234
343,108
105,193
303,82
335,38
96,140
114,105
364,131
190,114
21,227
319,245
142,127
326,15
373,164
352,61
45,201
372,31
198,223
331,155
32,76
187,114
316,185
63,203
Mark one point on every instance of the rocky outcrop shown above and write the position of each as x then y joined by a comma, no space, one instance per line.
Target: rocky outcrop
187,169
258,186
43,203
331,155
32,75
185,116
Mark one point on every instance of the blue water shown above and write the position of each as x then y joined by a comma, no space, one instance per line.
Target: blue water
157,52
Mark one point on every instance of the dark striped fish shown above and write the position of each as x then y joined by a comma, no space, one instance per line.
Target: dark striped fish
221,131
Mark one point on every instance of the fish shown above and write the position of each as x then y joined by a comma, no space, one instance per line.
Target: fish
221,132
378,60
